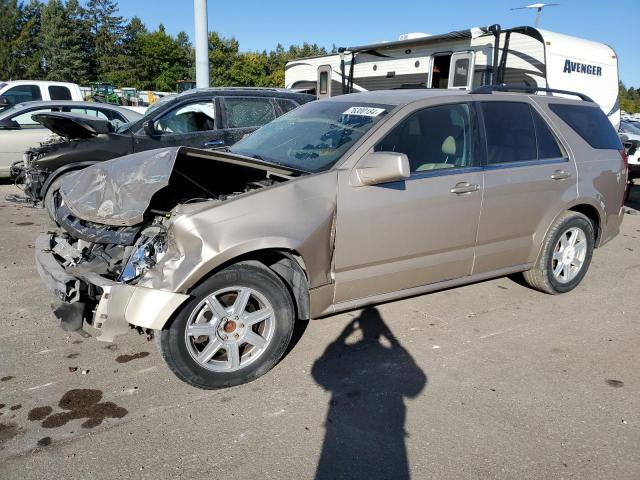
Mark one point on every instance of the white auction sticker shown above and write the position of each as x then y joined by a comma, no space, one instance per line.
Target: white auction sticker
365,111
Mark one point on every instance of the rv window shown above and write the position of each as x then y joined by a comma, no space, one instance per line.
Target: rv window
510,132
324,83
548,146
590,123
435,138
461,73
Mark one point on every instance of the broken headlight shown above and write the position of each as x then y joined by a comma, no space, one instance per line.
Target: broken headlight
147,251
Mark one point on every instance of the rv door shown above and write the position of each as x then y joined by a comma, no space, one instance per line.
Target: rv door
461,71
324,82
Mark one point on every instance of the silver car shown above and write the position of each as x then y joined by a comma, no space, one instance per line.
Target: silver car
19,132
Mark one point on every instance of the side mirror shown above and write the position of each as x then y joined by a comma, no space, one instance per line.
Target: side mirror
381,167
9,125
149,128
4,102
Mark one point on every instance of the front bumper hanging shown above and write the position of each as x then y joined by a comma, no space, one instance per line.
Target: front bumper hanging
119,305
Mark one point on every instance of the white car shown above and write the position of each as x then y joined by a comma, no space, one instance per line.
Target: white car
19,132
633,147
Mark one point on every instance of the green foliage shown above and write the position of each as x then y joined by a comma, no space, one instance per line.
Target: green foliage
629,99
64,40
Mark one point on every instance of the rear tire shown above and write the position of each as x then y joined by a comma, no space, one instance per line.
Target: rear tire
216,342
565,257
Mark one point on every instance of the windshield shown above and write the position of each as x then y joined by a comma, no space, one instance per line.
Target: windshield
313,137
629,128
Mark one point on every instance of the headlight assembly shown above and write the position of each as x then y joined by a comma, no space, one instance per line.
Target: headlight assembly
147,251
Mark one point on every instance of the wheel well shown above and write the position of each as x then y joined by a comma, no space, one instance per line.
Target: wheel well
287,265
592,214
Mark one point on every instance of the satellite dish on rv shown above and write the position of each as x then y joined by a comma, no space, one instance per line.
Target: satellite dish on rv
539,7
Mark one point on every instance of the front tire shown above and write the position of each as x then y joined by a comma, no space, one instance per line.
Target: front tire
566,255
234,330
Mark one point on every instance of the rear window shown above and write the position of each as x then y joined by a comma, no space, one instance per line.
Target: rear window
548,147
59,93
590,123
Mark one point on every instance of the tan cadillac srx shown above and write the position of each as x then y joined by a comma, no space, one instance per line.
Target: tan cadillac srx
341,203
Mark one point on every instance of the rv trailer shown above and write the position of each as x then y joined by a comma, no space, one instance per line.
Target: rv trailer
467,59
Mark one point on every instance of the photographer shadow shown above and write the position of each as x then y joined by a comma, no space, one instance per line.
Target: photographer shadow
369,374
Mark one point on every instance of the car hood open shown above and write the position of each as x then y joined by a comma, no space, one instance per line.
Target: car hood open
73,126
119,192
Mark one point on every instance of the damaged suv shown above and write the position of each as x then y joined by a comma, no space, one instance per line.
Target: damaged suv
342,203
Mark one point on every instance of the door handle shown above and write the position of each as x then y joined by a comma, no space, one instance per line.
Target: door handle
214,144
465,187
560,175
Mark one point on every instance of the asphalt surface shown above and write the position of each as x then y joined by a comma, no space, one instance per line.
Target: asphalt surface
491,380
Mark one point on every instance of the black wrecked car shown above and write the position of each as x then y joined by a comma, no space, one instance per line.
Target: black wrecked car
202,118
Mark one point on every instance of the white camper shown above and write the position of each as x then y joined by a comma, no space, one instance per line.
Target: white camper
467,59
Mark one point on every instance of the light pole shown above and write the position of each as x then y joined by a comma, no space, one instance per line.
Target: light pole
201,43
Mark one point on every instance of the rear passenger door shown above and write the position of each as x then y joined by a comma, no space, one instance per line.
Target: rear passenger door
527,175
243,115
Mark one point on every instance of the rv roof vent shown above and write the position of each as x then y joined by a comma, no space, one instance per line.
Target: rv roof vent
413,35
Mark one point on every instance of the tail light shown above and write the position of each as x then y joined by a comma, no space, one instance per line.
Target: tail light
625,160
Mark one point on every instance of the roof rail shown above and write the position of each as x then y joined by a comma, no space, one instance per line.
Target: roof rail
488,89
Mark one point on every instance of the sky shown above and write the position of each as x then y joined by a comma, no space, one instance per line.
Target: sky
261,25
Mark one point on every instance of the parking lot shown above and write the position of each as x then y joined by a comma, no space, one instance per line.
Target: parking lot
491,380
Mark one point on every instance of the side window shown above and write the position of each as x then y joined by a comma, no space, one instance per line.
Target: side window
510,132
92,112
25,120
286,105
435,138
22,93
590,123
324,83
248,112
191,118
461,72
59,93
548,146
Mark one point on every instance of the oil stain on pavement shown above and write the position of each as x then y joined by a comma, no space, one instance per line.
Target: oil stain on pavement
8,431
128,358
78,404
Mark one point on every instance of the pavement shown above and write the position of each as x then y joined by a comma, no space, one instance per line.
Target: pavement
491,380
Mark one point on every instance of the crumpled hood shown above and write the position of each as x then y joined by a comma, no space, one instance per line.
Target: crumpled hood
73,126
117,192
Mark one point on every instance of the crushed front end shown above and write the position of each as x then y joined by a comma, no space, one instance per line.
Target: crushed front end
93,269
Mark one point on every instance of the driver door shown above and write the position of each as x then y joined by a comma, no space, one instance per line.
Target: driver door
406,234
191,124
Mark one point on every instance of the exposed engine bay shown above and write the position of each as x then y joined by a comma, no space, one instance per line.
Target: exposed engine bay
115,216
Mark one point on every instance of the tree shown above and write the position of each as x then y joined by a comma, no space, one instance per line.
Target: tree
61,45
107,29
9,29
164,60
